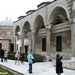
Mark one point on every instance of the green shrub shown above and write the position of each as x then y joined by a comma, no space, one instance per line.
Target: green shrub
11,55
37,57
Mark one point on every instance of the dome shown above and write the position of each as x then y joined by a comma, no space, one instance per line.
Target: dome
7,22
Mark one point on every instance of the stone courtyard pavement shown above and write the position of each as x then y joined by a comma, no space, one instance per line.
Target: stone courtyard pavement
41,68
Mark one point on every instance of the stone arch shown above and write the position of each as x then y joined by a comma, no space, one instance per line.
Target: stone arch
39,22
26,26
3,34
17,29
59,8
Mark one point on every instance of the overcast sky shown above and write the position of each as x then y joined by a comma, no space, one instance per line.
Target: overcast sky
15,8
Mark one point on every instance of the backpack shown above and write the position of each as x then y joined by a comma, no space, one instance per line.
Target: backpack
21,56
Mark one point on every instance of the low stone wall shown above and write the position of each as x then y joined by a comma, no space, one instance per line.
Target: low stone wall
68,64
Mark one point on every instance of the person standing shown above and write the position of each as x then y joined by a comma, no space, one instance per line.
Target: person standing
59,68
22,57
2,54
30,60
5,55
17,56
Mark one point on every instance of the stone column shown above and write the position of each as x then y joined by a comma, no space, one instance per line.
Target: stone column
73,32
22,47
14,43
48,42
73,38
33,40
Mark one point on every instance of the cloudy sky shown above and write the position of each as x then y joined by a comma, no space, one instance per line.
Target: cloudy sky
15,8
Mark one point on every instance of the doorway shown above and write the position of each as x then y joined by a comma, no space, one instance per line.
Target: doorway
0,45
26,48
11,47
58,43
43,44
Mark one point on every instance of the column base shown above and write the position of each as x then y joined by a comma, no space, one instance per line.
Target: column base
72,58
48,58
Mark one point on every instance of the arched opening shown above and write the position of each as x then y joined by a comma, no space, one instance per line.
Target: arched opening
18,41
40,41
58,15
26,30
17,30
61,28
39,22
26,26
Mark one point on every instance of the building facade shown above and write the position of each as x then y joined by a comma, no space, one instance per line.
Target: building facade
6,38
48,30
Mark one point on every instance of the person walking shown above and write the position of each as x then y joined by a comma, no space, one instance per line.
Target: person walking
5,55
22,57
2,54
17,56
30,60
59,68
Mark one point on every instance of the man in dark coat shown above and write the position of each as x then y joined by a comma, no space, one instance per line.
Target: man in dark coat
59,68
2,54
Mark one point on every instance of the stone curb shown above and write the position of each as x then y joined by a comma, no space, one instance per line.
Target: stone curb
11,70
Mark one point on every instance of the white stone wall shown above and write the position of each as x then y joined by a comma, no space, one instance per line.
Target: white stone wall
48,14
19,43
47,10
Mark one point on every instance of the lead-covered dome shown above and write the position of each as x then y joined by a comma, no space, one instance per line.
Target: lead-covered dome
7,22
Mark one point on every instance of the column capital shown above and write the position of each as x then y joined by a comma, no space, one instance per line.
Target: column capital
48,26
33,31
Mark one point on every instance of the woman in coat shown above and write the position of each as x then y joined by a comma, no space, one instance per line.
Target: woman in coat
59,68
17,55
5,55
30,58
